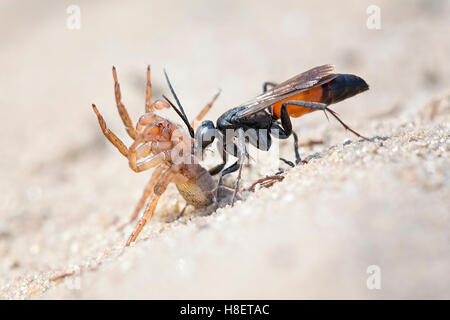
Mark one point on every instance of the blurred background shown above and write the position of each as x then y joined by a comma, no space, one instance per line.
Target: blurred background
62,185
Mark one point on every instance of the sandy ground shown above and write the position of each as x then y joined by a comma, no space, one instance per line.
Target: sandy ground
64,190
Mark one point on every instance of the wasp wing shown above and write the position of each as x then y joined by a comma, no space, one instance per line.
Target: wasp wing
301,82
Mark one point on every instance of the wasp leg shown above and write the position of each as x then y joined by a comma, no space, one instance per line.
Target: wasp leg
179,215
229,190
238,151
215,170
297,154
109,134
287,125
241,157
182,211
158,190
285,131
289,163
286,120
321,106
234,167
228,146
234,150
121,108
306,104
280,133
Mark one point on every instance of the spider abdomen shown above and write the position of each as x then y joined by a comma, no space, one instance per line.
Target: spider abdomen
198,189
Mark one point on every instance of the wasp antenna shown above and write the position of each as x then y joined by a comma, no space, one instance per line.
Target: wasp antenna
182,116
174,94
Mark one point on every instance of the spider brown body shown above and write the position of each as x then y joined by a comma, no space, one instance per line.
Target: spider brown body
166,147
198,190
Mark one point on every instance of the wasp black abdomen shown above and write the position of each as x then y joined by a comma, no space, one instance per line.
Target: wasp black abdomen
342,87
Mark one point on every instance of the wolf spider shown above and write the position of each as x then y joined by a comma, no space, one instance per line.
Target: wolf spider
160,144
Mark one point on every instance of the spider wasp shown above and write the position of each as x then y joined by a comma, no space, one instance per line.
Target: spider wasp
268,114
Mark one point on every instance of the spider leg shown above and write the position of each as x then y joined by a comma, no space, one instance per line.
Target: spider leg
266,182
148,163
155,147
148,92
205,110
158,190
147,192
121,108
161,149
151,117
109,134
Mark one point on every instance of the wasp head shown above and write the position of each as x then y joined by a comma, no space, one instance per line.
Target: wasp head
204,136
